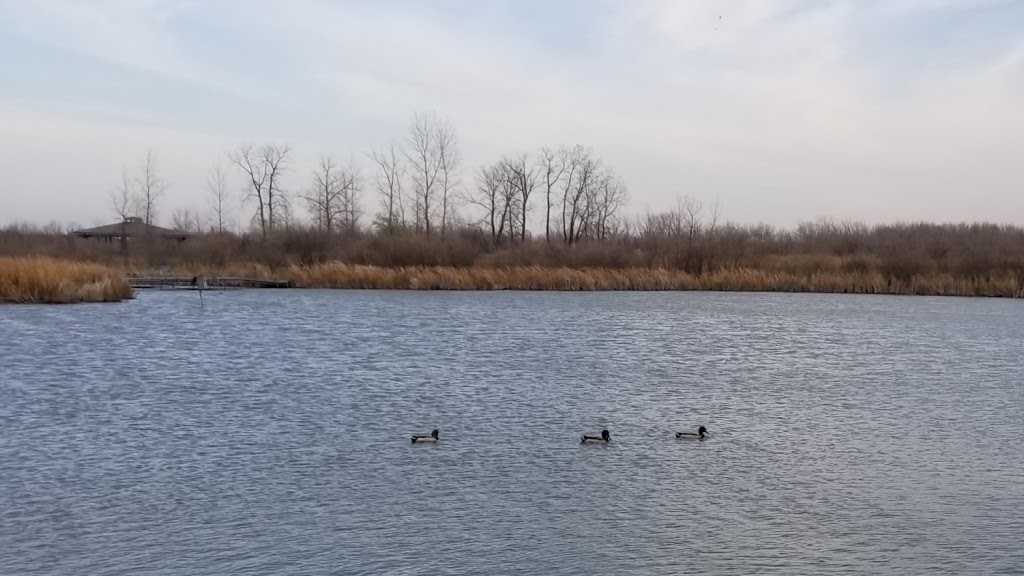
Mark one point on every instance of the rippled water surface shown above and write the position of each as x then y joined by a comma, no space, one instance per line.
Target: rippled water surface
268,433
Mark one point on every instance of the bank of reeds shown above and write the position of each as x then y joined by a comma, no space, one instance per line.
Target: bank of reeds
48,280
340,275
927,259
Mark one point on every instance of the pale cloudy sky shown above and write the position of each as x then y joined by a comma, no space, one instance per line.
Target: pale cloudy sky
782,110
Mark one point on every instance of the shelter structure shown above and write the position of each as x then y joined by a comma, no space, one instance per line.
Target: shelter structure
131,227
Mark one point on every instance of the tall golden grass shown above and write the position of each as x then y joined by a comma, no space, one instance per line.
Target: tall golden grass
350,276
49,280
928,259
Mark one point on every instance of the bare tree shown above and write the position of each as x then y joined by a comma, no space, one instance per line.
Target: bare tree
713,217
710,236
690,227
123,198
434,161
264,167
349,209
571,160
511,200
690,210
524,180
449,160
592,194
333,198
275,159
388,175
247,158
490,196
424,167
322,198
552,166
611,195
217,188
577,202
151,187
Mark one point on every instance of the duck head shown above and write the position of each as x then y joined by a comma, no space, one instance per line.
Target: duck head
702,431
434,434
605,435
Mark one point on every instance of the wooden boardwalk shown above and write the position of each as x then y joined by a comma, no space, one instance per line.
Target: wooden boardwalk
212,282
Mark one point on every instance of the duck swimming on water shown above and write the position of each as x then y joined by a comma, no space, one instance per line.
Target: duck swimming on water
604,438
701,434
432,437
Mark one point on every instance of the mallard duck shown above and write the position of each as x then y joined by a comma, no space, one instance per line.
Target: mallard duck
605,437
701,433
432,437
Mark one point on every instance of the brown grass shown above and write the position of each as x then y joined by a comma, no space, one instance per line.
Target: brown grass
53,281
353,276
910,258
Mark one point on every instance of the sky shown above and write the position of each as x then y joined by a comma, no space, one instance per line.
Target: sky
779,111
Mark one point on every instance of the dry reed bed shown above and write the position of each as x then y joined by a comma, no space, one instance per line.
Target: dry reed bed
52,281
349,276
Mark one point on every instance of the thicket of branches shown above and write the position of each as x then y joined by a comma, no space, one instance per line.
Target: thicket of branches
688,238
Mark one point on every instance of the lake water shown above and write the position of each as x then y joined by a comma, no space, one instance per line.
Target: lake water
268,433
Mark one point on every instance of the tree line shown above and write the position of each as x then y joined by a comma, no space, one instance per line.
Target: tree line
418,184
414,202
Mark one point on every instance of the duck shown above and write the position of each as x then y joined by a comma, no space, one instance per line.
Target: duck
701,434
432,437
605,437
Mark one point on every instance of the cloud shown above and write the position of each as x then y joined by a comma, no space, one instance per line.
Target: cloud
783,109
132,33
63,167
788,102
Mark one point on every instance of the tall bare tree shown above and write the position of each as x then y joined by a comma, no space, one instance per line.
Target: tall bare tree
424,167
322,198
434,160
123,198
275,159
570,159
690,214
552,166
247,159
578,188
150,187
333,197
492,183
388,174
511,200
216,186
610,196
690,210
349,205
264,167
449,161
523,177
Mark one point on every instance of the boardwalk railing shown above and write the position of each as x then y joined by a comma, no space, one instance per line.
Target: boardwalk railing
212,282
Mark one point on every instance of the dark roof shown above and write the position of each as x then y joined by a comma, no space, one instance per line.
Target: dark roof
130,228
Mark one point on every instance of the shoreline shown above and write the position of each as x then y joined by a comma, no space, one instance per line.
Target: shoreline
55,281
337,275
